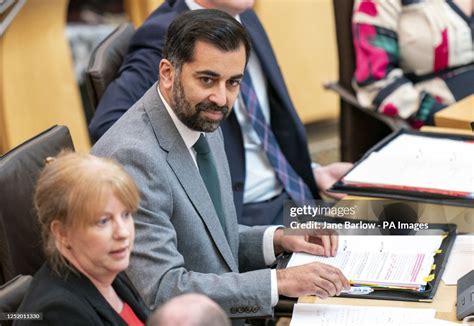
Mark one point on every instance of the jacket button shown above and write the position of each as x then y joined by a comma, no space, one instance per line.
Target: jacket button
233,310
238,186
240,310
255,309
248,309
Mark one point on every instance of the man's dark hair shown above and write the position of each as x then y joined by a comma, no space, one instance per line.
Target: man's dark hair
207,25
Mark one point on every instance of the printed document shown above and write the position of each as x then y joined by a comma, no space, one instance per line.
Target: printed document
381,261
419,163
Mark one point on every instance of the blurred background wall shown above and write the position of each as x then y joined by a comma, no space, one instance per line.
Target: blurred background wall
303,37
44,51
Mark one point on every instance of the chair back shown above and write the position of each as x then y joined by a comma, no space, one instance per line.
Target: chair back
105,62
12,293
20,236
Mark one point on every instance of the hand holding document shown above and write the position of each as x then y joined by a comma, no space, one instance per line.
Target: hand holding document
401,262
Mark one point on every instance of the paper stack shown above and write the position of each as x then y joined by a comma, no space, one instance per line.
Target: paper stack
395,262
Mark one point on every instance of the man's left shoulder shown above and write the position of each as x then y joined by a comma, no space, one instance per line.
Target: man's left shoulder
132,131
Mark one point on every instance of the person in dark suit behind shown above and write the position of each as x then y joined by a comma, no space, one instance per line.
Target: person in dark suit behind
85,207
188,239
189,310
258,181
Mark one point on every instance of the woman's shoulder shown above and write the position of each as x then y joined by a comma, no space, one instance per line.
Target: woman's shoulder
54,297
48,284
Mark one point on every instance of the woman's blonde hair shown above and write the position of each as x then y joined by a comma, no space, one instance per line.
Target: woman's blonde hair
72,189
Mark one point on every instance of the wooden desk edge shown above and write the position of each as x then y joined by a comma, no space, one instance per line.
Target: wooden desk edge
444,302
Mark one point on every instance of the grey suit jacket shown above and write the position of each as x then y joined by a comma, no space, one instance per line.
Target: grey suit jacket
180,245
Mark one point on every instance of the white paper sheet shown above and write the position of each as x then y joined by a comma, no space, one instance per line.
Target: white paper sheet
340,315
393,243
461,259
419,162
380,260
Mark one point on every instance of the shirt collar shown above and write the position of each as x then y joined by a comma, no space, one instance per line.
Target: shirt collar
190,137
192,5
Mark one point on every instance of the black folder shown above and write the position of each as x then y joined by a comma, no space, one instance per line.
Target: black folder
427,295
403,194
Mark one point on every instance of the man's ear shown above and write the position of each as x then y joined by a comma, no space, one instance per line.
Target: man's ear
167,75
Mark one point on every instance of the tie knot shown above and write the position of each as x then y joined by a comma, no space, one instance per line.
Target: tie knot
201,146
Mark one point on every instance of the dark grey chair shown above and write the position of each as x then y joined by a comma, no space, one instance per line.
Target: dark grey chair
105,62
20,238
359,128
12,292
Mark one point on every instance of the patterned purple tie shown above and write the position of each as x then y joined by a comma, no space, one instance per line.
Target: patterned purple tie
291,181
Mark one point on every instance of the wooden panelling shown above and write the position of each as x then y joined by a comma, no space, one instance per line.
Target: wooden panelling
37,88
138,10
303,36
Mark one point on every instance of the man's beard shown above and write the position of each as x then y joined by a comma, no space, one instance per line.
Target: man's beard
190,116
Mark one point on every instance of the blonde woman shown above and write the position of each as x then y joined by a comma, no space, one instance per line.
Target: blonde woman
85,207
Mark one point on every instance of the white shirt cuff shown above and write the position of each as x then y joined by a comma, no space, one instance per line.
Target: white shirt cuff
268,248
274,288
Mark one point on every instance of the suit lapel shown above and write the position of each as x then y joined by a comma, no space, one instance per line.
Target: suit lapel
125,290
263,49
180,161
219,153
80,284
180,6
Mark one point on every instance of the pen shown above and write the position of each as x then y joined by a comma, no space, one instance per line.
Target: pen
359,290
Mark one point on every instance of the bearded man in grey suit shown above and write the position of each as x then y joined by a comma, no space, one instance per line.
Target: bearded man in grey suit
187,236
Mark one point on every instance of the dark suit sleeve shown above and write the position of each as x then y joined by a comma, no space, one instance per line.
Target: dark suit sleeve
62,311
138,72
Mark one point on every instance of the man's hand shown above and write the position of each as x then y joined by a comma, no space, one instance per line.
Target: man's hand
311,279
315,244
327,175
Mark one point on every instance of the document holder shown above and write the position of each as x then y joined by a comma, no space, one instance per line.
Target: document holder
440,261
405,193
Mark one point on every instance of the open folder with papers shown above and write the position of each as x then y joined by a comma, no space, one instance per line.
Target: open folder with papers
395,262
418,166
406,268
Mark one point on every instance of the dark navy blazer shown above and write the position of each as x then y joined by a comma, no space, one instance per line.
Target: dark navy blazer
74,300
140,70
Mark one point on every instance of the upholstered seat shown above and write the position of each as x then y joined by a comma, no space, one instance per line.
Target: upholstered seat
20,239
12,292
105,62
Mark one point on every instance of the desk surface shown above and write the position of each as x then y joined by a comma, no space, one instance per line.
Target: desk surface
459,115
444,130
444,303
